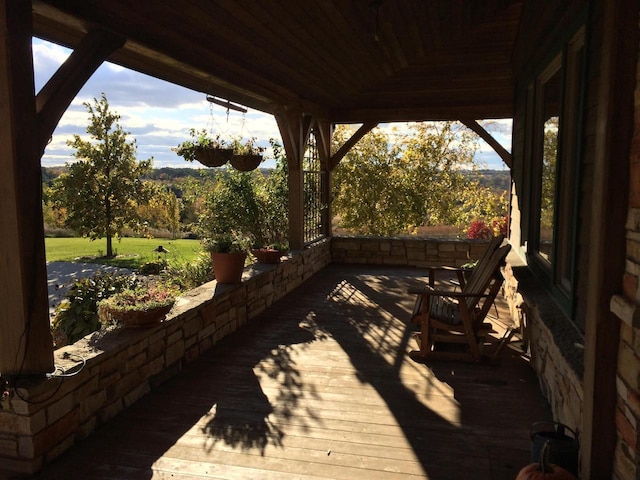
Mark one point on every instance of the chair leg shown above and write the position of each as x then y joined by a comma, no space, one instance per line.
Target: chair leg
506,338
425,341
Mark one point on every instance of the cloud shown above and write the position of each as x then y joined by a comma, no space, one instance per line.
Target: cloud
159,114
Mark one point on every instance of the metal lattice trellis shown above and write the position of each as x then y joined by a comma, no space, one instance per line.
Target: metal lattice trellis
315,193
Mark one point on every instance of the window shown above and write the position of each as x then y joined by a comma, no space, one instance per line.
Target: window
553,139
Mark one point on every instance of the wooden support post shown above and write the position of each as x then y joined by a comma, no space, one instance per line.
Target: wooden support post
614,131
294,129
324,132
25,339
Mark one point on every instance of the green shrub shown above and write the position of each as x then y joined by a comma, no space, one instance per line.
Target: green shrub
77,314
152,268
188,275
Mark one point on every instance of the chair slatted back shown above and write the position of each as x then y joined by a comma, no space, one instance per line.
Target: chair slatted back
490,250
485,274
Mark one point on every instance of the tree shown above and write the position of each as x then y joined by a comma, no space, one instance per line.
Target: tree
384,188
367,189
249,202
103,188
276,199
234,204
162,211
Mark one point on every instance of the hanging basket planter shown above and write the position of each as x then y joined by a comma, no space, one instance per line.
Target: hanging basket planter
246,163
213,157
209,151
247,155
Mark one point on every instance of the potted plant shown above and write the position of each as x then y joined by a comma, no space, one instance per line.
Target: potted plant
228,253
210,151
271,253
246,155
137,307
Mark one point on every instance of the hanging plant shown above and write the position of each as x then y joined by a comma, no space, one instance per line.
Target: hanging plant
210,151
246,155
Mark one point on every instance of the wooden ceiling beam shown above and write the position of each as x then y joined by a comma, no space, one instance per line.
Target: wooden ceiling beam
424,113
58,93
323,56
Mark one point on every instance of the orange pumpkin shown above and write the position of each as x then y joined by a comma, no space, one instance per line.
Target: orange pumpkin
543,470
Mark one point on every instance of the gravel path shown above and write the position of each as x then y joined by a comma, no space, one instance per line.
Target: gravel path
61,275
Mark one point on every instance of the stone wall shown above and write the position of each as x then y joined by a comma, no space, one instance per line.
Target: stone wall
627,308
411,251
556,348
44,418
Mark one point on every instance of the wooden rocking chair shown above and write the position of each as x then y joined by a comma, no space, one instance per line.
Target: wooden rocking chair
464,274
455,319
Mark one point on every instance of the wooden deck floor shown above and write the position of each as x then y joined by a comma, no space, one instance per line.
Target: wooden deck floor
321,386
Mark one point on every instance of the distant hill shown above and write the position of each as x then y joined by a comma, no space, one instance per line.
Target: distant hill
496,179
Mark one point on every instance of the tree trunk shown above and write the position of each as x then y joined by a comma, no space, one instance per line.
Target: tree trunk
109,246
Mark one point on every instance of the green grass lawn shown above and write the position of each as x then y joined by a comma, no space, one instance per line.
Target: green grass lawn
130,252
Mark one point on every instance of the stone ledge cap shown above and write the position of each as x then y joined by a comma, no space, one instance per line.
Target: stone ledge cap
625,310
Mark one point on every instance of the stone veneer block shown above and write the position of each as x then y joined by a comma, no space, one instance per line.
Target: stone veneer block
174,352
446,247
633,219
628,365
59,409
52,435
8,446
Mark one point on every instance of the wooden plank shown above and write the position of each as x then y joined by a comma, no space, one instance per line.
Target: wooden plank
266,54
320,386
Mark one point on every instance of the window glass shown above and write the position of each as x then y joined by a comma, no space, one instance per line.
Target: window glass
551,101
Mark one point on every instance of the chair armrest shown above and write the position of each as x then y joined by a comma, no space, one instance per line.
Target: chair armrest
444,293
445,268
459,271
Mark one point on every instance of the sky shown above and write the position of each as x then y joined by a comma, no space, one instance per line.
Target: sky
159,114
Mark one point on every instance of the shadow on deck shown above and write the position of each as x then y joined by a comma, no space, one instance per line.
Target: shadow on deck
320,386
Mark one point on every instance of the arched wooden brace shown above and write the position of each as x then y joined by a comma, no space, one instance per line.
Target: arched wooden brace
342,151
54,98
493,143
25,339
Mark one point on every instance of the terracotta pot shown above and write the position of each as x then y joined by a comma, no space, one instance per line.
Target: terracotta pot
228,267
213,157
245,163
268,255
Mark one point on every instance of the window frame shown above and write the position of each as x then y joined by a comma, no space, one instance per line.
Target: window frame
558,274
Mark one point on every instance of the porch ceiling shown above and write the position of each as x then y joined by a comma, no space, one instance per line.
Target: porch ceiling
441,59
